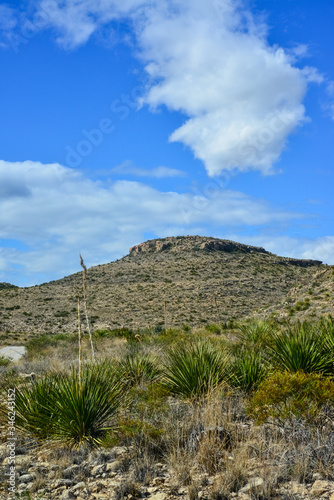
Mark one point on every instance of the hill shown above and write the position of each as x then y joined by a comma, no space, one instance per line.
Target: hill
178,280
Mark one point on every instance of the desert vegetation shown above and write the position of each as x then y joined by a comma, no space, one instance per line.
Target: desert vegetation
227,408
241,411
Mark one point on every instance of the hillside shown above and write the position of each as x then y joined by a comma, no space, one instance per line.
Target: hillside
191,280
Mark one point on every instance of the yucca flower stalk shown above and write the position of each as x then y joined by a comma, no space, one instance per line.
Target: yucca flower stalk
84,286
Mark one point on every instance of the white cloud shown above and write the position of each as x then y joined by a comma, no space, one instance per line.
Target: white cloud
211,61
300,248
158,172
243,97
53,213
330,104
8,19
8,22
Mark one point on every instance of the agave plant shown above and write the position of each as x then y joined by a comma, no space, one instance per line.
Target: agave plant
304,347
65,409
192,371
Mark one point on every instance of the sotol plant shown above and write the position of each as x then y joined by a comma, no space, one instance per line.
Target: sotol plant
304,347
192,371
248,370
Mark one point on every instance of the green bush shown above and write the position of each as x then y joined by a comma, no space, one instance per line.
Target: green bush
35,345
287,395
4,361
61,408
126,333
213,328
193,370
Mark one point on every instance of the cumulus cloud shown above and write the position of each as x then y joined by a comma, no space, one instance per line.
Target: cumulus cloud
56,212
211,61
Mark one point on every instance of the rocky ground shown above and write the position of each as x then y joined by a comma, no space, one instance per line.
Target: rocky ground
111,475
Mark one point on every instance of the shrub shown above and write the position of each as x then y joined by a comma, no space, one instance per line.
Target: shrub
61,408
126,333
159,328
4,361
37,344
213,328
287,395
192,371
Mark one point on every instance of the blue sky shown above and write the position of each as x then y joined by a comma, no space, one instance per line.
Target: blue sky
124,122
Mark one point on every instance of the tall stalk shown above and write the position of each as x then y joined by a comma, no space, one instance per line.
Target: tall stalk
84,286
165,314
80,346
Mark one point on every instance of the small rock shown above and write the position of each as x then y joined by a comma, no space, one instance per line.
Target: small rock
3,451
98,469
113,466
71,471
158,480
63,482
119,450
20,461
321,487
182,491
26,478
298,488
79,486
66,495
152,489
252,484
159,496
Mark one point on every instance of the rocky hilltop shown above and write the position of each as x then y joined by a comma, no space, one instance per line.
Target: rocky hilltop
193,243
199,243
178,280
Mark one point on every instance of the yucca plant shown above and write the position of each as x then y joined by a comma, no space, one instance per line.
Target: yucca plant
61,408
302,348
193,371
248,370
137,367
